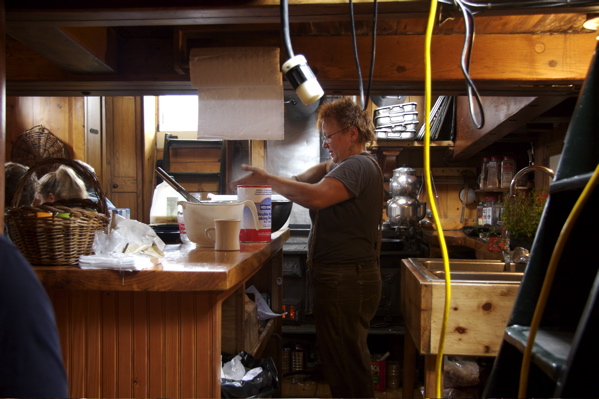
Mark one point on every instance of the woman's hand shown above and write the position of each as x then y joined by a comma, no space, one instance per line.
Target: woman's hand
256,176
316,193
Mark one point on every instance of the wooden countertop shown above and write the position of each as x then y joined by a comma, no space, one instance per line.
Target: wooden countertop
184,268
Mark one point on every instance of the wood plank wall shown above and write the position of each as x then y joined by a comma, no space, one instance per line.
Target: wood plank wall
63,116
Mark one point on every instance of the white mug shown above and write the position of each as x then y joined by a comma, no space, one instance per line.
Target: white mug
226,234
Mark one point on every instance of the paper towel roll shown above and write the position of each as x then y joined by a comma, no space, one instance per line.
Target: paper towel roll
235,66
240,93
241,113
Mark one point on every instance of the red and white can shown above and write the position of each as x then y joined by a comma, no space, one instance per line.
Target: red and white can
261,196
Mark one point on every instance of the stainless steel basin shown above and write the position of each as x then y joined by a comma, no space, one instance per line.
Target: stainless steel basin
470,270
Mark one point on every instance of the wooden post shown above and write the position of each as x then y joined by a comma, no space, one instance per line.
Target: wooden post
258,153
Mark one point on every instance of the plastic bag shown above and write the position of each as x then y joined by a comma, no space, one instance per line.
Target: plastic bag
264,383
460,372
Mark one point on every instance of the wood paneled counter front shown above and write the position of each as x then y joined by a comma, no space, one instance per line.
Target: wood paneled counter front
160,332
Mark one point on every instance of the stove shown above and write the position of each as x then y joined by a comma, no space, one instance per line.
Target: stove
397,244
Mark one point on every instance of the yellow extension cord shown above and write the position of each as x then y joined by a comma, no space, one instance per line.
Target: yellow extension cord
427,174
548,282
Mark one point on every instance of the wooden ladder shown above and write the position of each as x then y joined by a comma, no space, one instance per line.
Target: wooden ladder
564,355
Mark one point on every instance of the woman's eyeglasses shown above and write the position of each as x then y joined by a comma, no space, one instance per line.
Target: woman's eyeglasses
327,139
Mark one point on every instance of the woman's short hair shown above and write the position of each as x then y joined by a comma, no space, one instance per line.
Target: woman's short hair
347,113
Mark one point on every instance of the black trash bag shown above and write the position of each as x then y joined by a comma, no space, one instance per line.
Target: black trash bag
263,385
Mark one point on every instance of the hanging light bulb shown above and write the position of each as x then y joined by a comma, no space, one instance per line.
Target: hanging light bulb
592,23
296,68
302,79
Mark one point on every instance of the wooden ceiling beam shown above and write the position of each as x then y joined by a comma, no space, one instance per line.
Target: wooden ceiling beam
530,64
78,50
502,116
184,12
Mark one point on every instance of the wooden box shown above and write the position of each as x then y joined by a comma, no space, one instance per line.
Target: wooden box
477,320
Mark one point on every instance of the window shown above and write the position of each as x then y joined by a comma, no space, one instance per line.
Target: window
178,113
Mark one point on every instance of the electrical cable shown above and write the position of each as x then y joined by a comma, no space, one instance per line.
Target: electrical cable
427,173
373,51
356,59
527,4
285,28
363,99
465,64
549,276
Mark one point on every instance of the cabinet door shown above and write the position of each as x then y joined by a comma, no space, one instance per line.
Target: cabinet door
124,153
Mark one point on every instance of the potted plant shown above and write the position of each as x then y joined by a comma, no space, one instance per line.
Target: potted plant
521,216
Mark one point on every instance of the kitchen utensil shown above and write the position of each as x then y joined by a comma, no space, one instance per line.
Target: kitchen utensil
467,195
405,211
281,210
179,188
200,216
404,182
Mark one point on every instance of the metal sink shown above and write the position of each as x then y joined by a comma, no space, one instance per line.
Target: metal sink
470,270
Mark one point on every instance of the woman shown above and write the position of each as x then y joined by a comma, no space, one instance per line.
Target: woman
345,199
62,184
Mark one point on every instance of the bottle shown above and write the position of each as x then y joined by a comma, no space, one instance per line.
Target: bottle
164,204
479,214
182,231
508,169
482,178
489,211
493,173
499,215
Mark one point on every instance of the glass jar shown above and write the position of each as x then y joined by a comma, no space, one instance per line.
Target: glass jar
479,214
493,173
489,216
508,169
482,178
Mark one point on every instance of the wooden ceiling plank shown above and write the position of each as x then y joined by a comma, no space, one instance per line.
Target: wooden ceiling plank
561,66
148,13
66,50
503,115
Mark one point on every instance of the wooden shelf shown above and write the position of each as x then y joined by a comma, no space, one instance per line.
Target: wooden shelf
409,143
260,345
198,165
310,329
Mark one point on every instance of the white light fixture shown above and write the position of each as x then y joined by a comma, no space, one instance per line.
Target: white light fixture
302,79
592,23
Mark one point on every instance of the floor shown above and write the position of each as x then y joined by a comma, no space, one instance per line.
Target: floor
312,386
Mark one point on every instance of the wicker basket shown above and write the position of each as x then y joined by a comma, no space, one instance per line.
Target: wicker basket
35,145
58,233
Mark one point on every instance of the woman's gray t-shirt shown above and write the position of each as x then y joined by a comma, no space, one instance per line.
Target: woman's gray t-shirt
348,232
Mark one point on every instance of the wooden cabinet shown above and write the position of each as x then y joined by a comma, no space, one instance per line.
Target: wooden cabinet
160,331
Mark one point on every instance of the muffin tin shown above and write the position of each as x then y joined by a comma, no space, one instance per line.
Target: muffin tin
398,122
